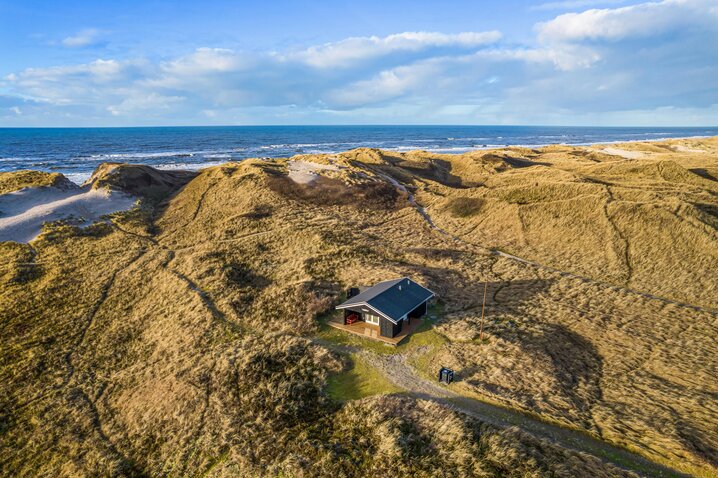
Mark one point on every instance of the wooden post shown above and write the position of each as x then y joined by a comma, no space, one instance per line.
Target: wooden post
483,306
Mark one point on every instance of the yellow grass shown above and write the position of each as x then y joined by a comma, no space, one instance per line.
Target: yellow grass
16,180
181,338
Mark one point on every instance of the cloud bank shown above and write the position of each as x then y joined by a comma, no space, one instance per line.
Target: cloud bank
650,63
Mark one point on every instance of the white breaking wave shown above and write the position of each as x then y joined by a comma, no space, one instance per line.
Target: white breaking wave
161,154
188,166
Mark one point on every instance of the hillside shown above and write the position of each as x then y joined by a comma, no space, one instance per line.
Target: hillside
186,337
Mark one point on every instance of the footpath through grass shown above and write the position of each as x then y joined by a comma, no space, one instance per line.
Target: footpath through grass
361,379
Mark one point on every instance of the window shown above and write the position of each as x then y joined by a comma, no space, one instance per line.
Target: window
371,319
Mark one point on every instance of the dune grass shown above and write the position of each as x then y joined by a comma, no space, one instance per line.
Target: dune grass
13,181
159,342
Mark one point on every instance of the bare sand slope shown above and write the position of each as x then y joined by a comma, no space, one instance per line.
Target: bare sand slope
304,172
23,212
623,153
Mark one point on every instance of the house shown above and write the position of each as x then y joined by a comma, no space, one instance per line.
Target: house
387,311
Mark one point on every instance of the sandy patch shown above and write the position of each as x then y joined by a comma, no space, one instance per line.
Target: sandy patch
684,149
22,213
624,153
304,172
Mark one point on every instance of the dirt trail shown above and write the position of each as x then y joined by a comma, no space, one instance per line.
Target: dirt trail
396,368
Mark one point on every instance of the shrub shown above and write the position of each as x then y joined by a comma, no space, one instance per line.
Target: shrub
465,206
281,379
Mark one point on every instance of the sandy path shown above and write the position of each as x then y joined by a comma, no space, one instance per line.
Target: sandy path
397,369
22,213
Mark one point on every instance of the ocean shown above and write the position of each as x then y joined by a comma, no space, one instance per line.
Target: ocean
76,152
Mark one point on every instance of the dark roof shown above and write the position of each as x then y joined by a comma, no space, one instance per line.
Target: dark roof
392,299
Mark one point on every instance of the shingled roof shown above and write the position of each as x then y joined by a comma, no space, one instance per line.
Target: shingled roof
393,298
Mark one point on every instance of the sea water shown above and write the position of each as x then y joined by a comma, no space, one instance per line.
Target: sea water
76,152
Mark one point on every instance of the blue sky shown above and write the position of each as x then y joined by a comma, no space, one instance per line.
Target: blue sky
571,62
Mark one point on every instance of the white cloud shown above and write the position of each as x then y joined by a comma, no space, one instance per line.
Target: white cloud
562,57
351,50
86,37
85,83
151,104
98,70
642,20
204,60
385,85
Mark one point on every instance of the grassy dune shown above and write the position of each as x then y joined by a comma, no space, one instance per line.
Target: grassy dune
182,337
17,180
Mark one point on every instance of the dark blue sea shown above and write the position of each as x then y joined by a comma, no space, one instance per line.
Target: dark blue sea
76,152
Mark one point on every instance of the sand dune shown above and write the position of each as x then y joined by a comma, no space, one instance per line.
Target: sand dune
684,149
623,153
192,335
23,212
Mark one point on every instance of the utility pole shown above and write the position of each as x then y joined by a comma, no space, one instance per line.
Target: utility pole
483,306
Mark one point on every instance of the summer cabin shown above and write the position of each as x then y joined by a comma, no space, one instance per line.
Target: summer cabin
387,311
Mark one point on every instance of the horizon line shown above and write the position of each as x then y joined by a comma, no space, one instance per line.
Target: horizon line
358,125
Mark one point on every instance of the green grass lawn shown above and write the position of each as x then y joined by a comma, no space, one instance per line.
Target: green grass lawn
359,381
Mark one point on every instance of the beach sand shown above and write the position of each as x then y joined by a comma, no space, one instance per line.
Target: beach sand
304,172
623,153
23,212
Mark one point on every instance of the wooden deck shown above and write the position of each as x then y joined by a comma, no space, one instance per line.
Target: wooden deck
370,331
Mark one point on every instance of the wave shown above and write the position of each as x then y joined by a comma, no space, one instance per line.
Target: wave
162,154
468,138
188,166
159,154
435,149
323,151
78,178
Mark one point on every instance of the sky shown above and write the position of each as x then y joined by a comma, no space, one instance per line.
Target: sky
570,62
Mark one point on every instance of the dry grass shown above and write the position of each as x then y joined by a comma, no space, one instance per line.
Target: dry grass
174,340
139,180
465,206
16,180
633,223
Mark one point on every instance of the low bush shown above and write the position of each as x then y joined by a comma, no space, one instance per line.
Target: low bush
465,206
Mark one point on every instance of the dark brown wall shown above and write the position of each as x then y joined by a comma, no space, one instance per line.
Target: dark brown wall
387,328
419,311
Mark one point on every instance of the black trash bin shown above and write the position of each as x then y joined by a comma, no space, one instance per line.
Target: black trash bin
446,375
